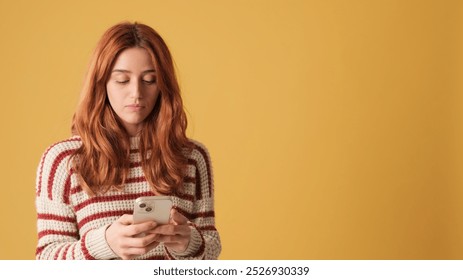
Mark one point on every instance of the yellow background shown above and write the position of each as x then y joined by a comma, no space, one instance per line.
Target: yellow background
335,127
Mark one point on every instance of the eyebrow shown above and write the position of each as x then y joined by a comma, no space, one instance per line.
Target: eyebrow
127,71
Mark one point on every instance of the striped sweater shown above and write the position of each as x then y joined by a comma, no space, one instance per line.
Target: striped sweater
72,225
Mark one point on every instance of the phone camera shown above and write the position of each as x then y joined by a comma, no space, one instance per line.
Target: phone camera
142,205
148,209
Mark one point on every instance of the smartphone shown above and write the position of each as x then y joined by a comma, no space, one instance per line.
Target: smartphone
152,208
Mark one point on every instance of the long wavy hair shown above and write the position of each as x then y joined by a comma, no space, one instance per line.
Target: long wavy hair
102,162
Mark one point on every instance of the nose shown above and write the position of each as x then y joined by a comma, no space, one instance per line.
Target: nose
136,90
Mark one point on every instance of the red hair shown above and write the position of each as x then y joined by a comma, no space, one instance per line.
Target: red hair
103,161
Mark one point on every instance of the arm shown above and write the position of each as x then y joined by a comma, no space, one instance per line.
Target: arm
203,238
57,226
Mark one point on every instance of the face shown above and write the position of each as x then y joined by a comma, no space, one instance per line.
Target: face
132,89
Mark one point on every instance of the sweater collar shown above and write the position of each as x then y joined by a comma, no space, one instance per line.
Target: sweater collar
134,142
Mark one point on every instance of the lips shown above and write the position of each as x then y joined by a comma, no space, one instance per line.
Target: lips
135,107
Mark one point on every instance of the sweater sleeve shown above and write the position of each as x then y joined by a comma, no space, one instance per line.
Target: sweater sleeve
205,240
57,226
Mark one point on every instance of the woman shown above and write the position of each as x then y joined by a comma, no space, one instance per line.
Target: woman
128,141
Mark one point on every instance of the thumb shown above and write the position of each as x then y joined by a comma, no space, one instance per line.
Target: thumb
126,219
177,218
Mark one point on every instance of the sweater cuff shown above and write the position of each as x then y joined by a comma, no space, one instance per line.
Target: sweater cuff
97,246
196,240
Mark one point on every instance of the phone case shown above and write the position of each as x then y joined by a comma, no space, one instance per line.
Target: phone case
152,208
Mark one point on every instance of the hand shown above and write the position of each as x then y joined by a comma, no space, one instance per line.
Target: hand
175,235
123,240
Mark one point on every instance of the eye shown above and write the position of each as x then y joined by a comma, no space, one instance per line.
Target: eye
149,82
122,81
149,79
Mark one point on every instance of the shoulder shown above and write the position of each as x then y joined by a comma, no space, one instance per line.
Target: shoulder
199,156
66,146
199,151
60,150
53,170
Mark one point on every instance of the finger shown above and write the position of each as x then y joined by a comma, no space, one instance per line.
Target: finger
178,218
139,228
140,242
132,253
172,230
125,227
167,239
125,219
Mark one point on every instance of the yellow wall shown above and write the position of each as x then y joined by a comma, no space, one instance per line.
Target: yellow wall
335,127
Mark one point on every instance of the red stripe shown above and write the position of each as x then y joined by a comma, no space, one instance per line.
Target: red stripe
66,191
186,196
74,251
202,247
208,168
76,189
141,179
138,163
57,232
136,180
189,179
39,250
55,257
192,216
111,198
66,251
54,168
39,187
198,185
135,164
211,228
55,218
102,215
84,248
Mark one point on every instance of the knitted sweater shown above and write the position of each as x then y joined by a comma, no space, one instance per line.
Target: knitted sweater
72,225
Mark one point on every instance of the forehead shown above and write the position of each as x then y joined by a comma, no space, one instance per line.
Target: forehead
134,60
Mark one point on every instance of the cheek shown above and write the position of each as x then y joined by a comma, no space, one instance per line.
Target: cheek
153,98
113,96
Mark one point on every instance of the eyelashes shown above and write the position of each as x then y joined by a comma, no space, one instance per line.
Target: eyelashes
150,82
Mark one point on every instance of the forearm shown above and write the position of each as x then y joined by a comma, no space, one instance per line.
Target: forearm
56,246
204,244
59,237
